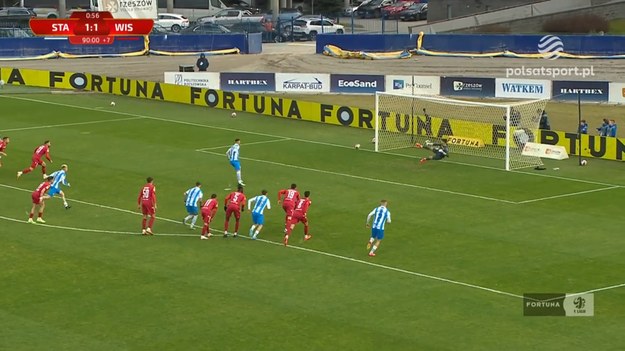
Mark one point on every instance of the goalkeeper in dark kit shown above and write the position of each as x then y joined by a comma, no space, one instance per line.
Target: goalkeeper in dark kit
439,150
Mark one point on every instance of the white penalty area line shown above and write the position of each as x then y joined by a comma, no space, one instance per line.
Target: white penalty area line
368,179
567,195
193,124
327,254
252,143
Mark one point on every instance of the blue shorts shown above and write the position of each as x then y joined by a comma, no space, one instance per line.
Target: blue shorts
192,210
258,218
377,233
54,191
236,165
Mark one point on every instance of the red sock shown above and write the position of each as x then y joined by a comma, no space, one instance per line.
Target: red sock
226,224
27,170
143,223
151,223
40,215
236,226
205,229
43,169
306,229
31,215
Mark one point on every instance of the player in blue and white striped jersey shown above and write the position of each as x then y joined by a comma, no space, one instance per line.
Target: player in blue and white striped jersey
233,157
381,215
192,201
258,218
55,187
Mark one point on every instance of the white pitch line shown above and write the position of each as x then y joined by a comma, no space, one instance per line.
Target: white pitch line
602,289
71,124
350,259
252,143
500,169
370,179
567,195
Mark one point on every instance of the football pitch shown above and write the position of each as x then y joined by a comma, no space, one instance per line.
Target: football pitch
466,242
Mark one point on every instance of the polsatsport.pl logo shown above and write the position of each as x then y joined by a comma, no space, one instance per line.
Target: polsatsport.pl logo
550,46
553,72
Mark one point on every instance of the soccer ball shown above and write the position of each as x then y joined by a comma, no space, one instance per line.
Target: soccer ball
112,103
233,114
583,162
1,82
357,146
373,140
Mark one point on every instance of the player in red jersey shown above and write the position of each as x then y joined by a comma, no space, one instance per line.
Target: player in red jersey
235,203
291,197
208,213
4,142
38,196
147,204
37,160
299,215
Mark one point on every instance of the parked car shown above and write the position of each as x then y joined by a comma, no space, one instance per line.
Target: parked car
373,9
230,16
392,11
46,12
351,10
241,5
158,29
172,21
415,12
313,26
206,28
286,32
285,15
16,13
317,17
269,34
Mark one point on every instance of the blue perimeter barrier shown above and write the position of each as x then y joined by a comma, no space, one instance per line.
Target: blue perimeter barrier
33,47
604,45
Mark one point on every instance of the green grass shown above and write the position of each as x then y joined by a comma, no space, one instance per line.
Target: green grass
82,282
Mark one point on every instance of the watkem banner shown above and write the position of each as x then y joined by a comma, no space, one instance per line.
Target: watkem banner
413,85
248,82
522,88
587,91
468,87
209,80
617,93
303,82
356,83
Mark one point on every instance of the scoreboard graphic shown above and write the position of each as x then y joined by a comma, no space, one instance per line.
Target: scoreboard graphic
91,28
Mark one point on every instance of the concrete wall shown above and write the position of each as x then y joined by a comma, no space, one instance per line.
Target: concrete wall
438,9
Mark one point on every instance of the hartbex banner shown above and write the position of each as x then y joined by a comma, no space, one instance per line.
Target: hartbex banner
356,83
522,88
413,85
587,91
248,81
607,148
208,80
468,87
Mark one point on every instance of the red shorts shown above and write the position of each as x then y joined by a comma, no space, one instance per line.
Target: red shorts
297,218
37,200
236,210
208,216
36,162
148,209
288,208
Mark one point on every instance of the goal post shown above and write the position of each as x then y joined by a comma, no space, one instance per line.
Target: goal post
481,129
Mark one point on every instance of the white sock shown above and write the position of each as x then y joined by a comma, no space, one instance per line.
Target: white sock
257,232
373,248
187,218
239,176
193,220
371,240
65,203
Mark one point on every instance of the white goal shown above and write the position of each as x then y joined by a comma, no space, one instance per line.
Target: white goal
490,130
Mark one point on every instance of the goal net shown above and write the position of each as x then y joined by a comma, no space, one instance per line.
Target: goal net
491,130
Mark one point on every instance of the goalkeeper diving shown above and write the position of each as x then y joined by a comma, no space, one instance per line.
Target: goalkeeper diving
439,150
